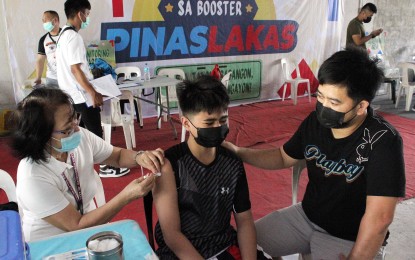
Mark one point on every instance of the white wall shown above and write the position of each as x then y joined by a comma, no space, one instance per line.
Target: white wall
6,86
398,21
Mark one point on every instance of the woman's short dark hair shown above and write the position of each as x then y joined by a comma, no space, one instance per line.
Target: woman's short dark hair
34,120
72,7
204,94
353,69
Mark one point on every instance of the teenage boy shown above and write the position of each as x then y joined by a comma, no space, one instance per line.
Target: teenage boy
202,184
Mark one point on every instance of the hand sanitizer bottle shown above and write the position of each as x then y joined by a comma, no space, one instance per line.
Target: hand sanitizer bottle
146,73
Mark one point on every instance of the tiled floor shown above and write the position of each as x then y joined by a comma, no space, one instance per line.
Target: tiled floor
402,239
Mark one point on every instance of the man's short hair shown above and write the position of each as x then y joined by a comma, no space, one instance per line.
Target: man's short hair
52,13
370,7
204,94
353,69
72,7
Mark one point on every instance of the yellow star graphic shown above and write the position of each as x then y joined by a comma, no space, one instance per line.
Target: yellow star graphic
248,8
169,8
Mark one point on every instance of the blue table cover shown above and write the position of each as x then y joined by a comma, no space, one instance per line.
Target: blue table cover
135,242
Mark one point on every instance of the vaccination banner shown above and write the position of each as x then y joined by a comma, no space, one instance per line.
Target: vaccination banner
192,33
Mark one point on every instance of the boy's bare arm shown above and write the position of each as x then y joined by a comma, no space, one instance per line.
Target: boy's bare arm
166,203
246,234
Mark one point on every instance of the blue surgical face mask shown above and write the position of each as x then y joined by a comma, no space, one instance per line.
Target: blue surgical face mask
85,24
69,143
48,26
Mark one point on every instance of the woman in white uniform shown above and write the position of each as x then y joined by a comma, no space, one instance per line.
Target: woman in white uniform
55,178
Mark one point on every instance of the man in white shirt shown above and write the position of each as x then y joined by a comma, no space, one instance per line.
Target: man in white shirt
47,48
74,74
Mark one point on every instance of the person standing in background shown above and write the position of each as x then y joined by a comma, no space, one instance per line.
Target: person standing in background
74,74
47,48
355,30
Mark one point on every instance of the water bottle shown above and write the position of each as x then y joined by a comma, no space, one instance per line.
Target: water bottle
146,72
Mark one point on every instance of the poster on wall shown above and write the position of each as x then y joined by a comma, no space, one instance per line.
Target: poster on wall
165,33
103,49
245,77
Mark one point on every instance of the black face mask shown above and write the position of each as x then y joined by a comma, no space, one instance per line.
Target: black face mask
211,136
330,118
367,20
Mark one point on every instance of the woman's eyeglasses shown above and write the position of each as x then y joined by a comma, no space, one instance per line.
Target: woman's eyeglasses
75,122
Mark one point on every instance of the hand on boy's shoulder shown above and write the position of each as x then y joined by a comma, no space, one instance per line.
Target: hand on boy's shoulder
229,146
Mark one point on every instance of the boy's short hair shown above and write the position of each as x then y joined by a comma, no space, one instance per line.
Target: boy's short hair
52,13
204,94
353,69
72,7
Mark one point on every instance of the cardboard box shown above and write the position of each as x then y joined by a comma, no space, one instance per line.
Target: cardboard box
5,124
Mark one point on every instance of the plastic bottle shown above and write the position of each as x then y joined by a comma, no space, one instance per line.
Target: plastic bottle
146,72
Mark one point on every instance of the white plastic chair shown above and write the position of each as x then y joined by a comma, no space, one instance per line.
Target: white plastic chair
392,75
100,195
171,73
7,184
405,85
111,117
129,73
297,168
225,79
288,66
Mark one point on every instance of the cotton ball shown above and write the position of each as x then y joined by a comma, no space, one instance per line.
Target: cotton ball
112,244
103,244
93,244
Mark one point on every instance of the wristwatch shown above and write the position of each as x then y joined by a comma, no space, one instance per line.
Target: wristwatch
136,155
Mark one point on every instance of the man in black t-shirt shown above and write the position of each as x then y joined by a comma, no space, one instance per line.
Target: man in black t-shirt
355,168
